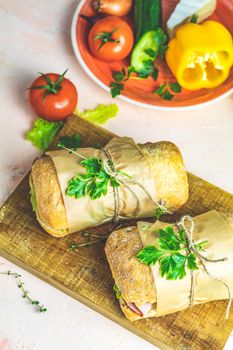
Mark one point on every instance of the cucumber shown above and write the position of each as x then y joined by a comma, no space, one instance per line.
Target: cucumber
139,55
147,16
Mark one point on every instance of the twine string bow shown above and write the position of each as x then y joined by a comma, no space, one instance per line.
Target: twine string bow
187,224
125,180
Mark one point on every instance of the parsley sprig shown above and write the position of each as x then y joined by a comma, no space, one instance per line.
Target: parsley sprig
120,77
161,42
165,91
159,212
194,18
72,141
94,183
149,69
173,262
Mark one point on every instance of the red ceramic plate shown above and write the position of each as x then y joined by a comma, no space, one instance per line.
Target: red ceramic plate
139,92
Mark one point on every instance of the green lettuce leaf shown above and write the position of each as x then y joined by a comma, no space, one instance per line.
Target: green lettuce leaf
101,114
43,132
33,199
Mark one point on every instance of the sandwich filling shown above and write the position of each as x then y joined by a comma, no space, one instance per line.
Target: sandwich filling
140,309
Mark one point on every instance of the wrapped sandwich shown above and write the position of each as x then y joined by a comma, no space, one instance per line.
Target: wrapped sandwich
72,190
163,268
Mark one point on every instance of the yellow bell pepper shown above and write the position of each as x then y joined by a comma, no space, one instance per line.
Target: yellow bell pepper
201,55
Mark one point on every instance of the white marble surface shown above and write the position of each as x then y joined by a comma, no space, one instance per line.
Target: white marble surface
34,36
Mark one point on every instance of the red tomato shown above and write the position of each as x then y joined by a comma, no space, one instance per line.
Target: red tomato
111,39
51,99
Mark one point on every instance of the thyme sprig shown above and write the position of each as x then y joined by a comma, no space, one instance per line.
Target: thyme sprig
74,246
25,294
70,150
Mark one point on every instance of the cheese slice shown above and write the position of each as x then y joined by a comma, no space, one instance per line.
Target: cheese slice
184,11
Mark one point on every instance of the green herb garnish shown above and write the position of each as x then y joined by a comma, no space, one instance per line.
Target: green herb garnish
164,93
194,18
116,89
151,53
96,146
72,141
120,77
164,90
74,246
175,87
148,69
43,132
161,42
173,263
25,293
94,183
159,212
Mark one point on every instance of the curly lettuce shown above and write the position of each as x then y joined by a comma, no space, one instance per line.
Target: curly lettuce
43,132
101,114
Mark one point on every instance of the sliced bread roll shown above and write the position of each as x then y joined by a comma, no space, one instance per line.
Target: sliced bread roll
170,179
134,280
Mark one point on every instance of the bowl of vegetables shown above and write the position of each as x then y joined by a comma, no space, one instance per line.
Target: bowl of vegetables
158,54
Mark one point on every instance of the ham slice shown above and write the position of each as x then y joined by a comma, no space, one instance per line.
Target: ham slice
142,310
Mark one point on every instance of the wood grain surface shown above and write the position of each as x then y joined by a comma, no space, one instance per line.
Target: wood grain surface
85,274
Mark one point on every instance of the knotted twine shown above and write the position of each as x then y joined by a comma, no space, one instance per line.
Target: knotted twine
125,180
188,231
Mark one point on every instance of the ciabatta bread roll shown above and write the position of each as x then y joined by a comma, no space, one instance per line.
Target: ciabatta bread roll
167,168
133,279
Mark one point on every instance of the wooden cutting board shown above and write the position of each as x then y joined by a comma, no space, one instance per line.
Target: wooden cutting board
85,274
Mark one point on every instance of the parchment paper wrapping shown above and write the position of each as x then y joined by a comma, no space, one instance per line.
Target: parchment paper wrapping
126,156
174,295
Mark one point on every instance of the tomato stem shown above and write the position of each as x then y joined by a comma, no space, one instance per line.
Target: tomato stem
51,87
106,37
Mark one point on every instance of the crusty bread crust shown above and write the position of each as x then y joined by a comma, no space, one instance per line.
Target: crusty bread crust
166,163
169,171
51,212
134,279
